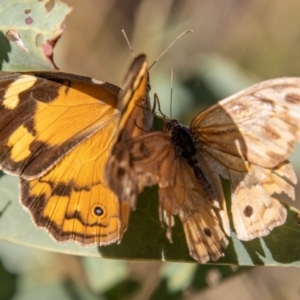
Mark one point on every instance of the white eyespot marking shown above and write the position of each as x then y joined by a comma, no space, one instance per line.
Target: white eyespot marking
11,97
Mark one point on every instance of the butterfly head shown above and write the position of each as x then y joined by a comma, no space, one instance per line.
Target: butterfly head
171,125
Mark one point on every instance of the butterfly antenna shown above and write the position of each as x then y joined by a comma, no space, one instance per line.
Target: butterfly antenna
171,94
157,102
180,35
128,43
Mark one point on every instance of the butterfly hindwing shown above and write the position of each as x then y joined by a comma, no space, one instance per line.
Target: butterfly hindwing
72,201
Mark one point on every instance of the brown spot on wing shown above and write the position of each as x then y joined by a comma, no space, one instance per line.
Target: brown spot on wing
271,133
62,189
292,98
267,102
45,91
207,232
248,211
65,189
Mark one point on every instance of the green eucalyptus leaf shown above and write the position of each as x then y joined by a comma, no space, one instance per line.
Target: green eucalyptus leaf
29,30
145,237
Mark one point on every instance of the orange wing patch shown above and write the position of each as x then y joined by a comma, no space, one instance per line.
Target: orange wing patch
56,130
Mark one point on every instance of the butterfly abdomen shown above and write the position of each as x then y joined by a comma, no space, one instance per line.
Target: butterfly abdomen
185,148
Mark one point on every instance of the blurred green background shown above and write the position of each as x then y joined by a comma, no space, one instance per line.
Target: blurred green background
234,44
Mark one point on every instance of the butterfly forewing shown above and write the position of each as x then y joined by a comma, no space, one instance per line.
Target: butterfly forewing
44,118
259,125
134,102
56,131
136,119
251,134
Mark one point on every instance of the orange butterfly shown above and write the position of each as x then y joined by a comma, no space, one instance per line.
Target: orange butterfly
56,131
245,138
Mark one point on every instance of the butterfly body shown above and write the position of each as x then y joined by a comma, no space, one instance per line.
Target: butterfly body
182,140
183,186
185,147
